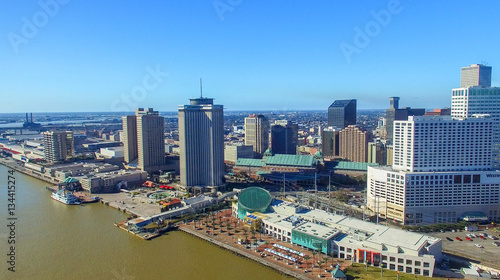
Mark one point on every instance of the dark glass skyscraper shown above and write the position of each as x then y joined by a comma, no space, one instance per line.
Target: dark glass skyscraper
284,137
342,113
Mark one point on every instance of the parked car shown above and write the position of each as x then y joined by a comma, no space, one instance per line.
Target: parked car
458,238
479,245
468,239
482,237
449,239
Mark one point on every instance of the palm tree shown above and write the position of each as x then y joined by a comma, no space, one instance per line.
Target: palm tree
306,258
325,260
314,255
245,233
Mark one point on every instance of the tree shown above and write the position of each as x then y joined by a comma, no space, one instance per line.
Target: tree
325,260
307,258
314,255
245,233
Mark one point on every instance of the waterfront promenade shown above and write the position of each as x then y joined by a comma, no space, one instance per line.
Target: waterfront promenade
224,230
12,164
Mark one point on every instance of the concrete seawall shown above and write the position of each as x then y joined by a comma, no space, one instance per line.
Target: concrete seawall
244,254
27,172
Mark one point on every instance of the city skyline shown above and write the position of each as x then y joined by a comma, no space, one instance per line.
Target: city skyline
308,55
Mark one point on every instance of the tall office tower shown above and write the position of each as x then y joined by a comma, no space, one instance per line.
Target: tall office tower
441,172
395,114
377,153
394,102
330,142
144,141
354,144
284,137
476,75
257,134
201,137
129,138
473,100
58,146
342,113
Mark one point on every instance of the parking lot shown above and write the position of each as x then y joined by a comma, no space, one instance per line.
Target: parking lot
487,255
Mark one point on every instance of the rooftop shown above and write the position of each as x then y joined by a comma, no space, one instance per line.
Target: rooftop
291,160
317,230
342,103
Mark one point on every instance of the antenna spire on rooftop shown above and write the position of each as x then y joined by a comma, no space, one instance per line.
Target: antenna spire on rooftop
201,88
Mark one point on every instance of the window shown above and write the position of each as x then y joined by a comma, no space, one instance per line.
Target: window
392,259
426,264
408,262
401,260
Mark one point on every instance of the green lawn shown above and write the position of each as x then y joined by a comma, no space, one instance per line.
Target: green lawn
358,271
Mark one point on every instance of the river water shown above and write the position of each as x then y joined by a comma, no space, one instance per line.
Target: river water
57,241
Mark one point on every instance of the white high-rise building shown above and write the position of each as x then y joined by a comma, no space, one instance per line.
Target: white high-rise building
466,102
442,172
440,143
201,137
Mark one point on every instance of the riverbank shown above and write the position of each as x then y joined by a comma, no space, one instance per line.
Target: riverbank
244,254
12,164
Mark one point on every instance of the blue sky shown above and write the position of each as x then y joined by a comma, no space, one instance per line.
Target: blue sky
69,55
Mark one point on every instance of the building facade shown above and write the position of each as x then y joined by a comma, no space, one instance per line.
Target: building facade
342,113
475,75
354,144
58,146
352,239
201,143
330,142
144,139
441,171
394,113
232,152
284,137
257,134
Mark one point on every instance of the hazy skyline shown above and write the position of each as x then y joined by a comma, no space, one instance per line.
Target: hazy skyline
64,56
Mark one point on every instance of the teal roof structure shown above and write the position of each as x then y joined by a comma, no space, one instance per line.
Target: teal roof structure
291,160
337,273
70,180
253,199
249,162
348,165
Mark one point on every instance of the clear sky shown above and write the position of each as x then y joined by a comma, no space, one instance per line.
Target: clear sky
69,55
